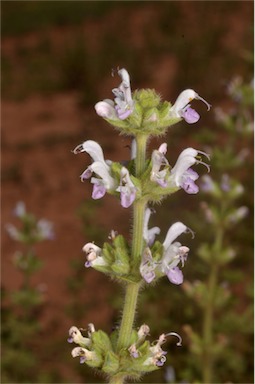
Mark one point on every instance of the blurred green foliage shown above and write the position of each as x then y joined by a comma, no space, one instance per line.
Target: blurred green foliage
49,64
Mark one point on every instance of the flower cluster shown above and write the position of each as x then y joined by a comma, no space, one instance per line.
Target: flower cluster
172,254
97,350
114,178
144,111
181,175
106,180
32,230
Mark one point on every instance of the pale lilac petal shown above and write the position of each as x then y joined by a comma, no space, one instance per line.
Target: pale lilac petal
127,198
189,186
86,174
175,276
192,174
161,182
123,113
190,115
149,276
98,191
82,359
207,184
106,109
147,266
88,264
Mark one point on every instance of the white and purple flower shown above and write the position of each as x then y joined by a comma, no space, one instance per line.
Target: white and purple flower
182,175
105,182
76,337
123,104
181,107
159,160
100,167
126,188
94,255
173,254
148,266
158,357
84,354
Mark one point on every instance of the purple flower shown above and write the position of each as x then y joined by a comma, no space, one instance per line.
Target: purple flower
123,97
175,276
181,107
159,160
75,336
126,188
94,255
123,104
207,184
174,253
190,115
133,351
84,354
148,266
182,175
188,183
100,167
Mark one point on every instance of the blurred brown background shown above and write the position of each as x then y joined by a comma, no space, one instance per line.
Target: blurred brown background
57,59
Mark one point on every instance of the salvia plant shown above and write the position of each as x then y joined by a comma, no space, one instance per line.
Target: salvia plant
20,324
127,353
212,343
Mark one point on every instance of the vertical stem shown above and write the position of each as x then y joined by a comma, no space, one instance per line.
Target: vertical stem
132,289
117,379
141,141
208,358
208,327
128,315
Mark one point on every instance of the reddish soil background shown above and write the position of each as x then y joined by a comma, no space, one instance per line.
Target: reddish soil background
39,168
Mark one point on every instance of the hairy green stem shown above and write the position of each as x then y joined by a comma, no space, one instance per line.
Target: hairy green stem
208,358
132,289
128,315
140,162
117,379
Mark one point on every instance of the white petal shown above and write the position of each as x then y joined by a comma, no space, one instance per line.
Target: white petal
182,100
106,109
91,246
174,231
180,167
103,170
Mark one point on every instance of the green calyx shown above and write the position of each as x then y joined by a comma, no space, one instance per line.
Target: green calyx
124,364
150,116
117,257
